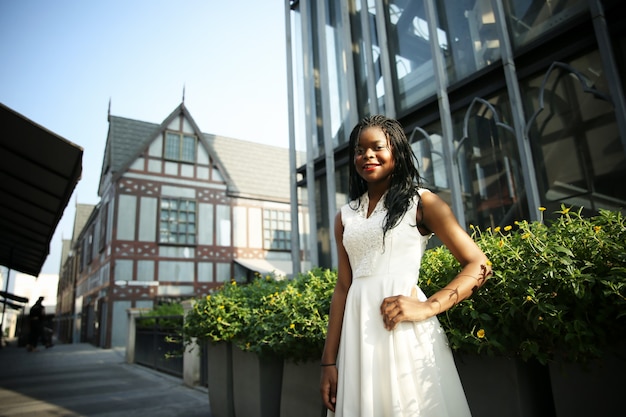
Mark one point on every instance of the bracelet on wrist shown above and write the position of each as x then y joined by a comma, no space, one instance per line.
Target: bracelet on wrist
327,364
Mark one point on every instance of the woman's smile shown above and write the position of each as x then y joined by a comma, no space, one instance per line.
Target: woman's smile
373,158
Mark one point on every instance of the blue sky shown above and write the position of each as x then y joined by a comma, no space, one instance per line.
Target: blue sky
62,61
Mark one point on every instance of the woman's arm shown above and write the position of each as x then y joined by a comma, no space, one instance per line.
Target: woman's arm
328,382
438,217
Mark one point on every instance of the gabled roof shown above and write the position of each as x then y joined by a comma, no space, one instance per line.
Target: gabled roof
83,211
66,247
256,171
125,138
251,170
38,173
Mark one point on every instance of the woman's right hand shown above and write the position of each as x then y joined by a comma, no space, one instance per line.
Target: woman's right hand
328,387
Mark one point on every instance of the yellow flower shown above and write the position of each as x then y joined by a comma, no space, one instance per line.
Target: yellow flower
542,209
564,211
526,235
292,326
429,281
480,333
507,228
529,298
488,262
221,307
501,243
597,228
219,319
208,297
472,226
497,229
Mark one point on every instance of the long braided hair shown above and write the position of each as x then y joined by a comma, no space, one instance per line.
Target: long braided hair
405,178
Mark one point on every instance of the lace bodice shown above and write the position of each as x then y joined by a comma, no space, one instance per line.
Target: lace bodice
399,253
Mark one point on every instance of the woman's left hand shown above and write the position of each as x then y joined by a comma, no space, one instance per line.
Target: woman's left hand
401,308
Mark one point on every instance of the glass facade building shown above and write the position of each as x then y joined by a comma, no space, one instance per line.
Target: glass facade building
509,104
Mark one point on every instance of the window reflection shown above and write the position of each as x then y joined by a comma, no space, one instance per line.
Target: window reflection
472,43
409,45
576,145
489,163
336,74
367,69
428,149
528,19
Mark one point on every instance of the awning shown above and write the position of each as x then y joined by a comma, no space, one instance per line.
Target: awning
13,297
263,266
38,173
12,305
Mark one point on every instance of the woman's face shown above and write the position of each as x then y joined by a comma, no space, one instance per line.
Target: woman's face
373,158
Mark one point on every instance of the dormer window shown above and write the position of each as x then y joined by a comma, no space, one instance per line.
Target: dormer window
180,147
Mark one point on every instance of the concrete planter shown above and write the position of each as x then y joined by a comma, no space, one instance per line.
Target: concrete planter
498,386
594,389
257,383
220,379
300,392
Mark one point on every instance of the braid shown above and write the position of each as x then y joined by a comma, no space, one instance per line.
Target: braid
405,179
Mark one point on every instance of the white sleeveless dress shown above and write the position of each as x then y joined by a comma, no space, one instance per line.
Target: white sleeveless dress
409,371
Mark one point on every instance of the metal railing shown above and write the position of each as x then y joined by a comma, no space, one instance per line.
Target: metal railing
159,344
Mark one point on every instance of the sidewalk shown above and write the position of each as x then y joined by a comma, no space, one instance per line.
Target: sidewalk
82,380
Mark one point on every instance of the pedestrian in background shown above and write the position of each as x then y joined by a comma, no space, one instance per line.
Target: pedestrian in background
36,319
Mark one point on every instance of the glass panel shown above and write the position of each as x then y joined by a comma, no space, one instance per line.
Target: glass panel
576,145
528,19
275,230
488,159
467,36
336,73
189,149
314,71
375,54
429,151
172,145
359,26
409,45
177,224
620,55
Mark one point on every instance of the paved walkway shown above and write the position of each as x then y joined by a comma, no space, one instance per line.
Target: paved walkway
83,380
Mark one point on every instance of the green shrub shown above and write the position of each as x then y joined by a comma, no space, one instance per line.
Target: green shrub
286,318
557,291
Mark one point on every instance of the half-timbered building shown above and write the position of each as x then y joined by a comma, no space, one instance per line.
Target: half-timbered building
180,212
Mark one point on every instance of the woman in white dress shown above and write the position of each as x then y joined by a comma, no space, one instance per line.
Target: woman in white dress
385,352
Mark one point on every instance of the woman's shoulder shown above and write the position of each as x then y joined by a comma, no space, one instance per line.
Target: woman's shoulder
428,197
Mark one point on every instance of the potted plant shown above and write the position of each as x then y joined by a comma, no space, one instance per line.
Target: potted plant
294,323
556,295
216,321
